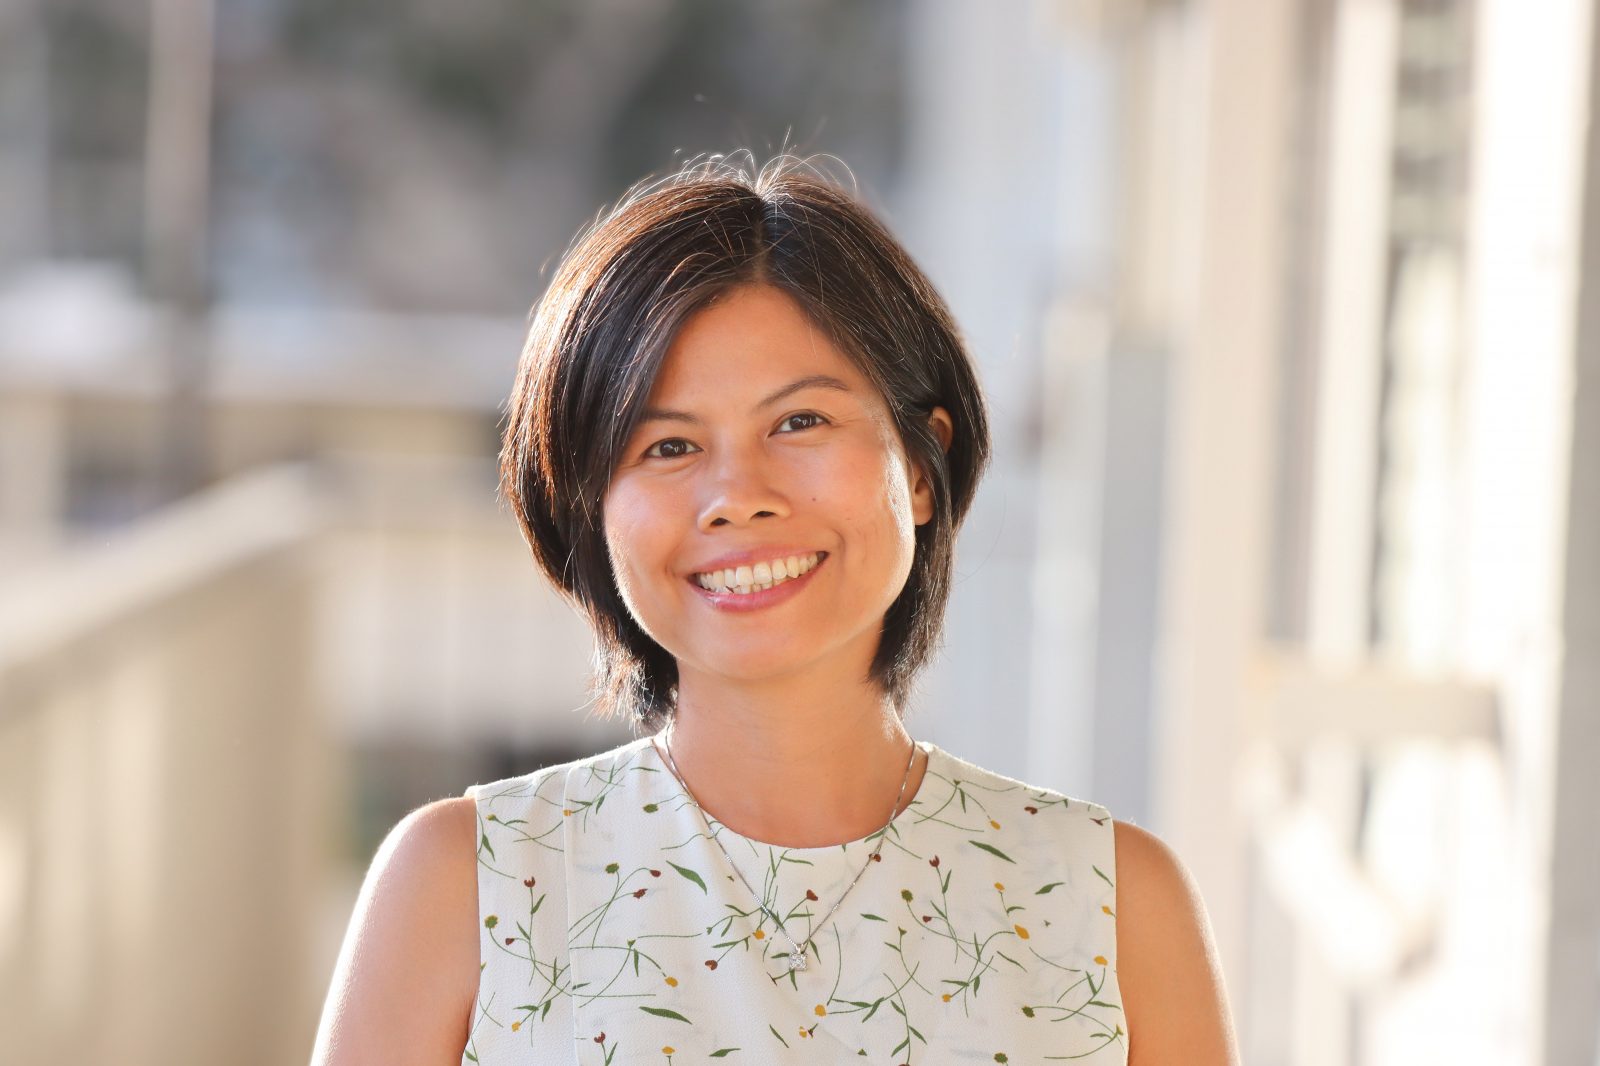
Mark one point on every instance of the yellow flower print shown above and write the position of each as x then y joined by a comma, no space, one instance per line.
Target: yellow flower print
760,935
566,812
999,887
672,982
1101,959
993,824
947,997
820,1011
1108,910
1023,933
515,1026
667,1050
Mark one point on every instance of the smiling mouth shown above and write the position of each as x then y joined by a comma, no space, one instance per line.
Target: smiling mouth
743,580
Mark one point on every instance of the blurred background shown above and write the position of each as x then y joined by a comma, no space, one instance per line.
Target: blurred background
1289,313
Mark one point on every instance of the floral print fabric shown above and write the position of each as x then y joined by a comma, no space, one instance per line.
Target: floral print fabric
614,933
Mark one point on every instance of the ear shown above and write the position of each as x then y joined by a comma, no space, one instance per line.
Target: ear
922,487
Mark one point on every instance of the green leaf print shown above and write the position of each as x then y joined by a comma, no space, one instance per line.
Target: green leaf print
662,1012
690,874
872,917
1047,888
781,1040
992,850
1102,874
723,1052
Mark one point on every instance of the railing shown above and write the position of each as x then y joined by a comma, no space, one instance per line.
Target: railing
176,698
1366,791
163,773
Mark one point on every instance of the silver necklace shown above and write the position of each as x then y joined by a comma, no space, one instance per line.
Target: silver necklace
797,952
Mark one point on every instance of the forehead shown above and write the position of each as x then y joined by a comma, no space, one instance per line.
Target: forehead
745,341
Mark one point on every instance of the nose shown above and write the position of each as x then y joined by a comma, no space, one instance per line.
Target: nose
739,489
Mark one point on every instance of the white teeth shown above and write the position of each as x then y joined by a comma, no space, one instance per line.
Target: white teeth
746,579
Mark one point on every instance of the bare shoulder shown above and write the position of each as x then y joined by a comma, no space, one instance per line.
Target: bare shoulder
407,975
1173,995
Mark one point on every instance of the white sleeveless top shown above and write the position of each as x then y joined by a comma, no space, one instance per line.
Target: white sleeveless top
614,933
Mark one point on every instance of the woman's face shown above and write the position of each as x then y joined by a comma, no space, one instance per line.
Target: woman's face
761,442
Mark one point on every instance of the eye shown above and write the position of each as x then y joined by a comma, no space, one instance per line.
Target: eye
817,419
668,449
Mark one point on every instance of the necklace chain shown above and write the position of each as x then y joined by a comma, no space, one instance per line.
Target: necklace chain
797,953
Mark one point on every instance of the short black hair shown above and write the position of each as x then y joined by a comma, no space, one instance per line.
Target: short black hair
597,339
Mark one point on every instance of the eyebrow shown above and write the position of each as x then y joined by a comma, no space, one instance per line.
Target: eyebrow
811,381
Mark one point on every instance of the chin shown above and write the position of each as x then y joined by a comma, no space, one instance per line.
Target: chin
763,658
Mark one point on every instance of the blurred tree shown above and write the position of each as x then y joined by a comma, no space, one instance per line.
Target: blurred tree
440,155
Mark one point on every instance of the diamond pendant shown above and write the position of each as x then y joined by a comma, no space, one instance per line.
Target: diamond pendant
797,960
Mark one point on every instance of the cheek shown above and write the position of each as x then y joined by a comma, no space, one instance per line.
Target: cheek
629,531
874,498
634,558
892,495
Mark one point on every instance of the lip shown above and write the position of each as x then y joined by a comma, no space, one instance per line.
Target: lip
755,601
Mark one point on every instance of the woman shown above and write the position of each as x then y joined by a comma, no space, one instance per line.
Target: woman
744,434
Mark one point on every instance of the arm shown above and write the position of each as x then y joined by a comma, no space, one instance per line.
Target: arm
407,974
1167,967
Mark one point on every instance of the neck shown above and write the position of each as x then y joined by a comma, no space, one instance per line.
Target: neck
813,770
